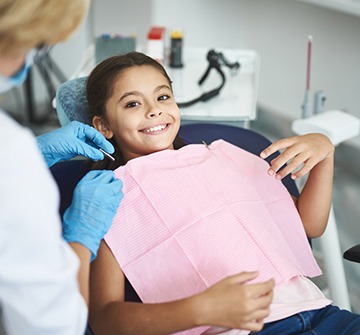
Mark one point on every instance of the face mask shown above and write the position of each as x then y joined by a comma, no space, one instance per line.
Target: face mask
7,83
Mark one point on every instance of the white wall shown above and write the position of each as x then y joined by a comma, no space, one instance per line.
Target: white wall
122,17
68,54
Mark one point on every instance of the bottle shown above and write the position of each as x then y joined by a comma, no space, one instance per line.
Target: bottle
155,43
176,49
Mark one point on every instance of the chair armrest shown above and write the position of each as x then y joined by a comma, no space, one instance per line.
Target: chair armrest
353,254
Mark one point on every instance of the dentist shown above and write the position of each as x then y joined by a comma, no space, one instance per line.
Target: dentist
44,260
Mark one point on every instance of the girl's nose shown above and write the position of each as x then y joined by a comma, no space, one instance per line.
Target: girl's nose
153,112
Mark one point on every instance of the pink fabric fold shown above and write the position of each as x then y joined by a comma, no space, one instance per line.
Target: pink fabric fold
194,216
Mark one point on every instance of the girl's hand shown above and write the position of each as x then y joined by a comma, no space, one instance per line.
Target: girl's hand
300,153
235,303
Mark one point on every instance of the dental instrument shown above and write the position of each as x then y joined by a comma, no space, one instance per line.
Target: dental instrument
215,61
106,154
206,145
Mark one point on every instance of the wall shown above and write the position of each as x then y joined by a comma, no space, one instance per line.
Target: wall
122,17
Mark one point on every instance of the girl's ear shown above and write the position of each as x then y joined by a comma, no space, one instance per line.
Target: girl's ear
100,124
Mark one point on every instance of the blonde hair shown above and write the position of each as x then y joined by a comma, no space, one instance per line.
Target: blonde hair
25,24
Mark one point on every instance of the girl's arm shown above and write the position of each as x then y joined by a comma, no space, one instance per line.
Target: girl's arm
231,303
312,153
84,255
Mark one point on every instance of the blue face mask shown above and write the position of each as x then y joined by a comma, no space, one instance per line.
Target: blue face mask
7,83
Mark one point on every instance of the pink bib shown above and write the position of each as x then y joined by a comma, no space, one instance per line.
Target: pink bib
194,216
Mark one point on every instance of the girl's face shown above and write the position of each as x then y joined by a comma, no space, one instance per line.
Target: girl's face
141,113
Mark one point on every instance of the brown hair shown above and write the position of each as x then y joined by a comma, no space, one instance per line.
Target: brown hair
99,89
25,24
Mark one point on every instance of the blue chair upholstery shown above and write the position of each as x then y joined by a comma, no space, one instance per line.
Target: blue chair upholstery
71,102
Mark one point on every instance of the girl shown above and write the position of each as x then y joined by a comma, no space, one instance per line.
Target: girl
194,216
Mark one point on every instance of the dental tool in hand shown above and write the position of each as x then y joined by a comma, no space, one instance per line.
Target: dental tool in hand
107,155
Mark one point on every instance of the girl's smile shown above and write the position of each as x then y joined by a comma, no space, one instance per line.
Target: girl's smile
155,130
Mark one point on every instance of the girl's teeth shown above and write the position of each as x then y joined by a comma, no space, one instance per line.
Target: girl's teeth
157,128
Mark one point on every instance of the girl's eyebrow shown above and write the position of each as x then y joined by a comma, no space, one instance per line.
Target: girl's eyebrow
157,89
126,94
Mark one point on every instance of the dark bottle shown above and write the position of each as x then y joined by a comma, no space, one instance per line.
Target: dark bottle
176,49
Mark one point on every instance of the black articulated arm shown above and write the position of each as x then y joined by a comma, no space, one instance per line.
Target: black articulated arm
353,254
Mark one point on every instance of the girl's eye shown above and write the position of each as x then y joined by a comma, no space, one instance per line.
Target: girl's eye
164,97
132,104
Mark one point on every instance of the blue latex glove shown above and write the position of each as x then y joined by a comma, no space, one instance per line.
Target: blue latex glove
74,139
96,198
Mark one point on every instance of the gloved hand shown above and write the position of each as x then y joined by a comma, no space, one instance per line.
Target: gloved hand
74,139
96,198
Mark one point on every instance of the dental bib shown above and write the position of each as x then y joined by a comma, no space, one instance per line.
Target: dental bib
193,216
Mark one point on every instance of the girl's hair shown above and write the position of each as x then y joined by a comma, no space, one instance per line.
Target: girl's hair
99,88
25,24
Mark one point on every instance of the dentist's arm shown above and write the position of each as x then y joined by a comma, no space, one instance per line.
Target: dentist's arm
96,199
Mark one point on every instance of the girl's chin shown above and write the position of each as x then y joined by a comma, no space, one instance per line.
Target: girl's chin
161,148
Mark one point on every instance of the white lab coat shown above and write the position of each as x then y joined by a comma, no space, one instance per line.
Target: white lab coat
39,292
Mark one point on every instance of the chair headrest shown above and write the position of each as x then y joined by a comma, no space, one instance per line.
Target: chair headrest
71,102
